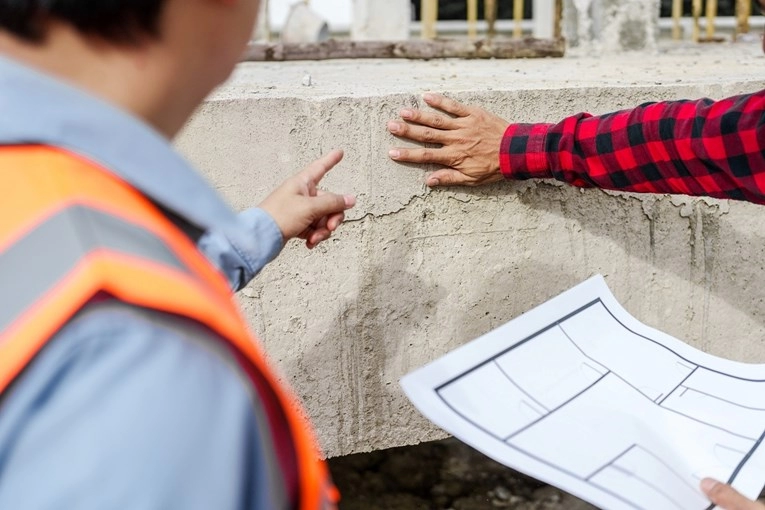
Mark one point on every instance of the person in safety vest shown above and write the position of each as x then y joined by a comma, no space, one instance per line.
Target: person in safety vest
128,377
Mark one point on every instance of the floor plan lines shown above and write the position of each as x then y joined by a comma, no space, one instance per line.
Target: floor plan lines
582,395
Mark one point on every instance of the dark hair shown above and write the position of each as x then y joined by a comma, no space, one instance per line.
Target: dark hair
117,21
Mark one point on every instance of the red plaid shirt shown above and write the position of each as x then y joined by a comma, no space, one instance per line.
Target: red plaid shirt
705,147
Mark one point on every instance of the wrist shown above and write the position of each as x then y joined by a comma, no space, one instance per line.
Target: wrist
263,225
523,153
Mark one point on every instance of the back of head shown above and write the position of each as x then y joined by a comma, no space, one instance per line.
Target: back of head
114,21
157,59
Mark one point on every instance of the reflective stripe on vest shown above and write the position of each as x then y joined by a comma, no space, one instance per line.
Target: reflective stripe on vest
69,231
47,254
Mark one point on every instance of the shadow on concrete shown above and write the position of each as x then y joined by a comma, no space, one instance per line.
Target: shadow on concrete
726,259
366,336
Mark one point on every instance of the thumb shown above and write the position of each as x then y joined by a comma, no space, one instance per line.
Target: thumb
448,177
726,497
327,204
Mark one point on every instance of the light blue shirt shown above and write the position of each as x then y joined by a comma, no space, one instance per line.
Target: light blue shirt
125,407
37,109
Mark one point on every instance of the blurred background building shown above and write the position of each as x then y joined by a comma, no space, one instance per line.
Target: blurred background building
339,13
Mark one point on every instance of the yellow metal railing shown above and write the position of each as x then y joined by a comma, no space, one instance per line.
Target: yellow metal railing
517,17
490,7
743,12
429,17
546,40
472,18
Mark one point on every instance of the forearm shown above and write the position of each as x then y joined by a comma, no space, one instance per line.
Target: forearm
690,147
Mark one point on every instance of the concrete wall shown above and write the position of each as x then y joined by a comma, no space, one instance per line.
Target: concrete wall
611,26
381,21
415,273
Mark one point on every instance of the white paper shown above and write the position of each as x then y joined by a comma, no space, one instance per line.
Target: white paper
581,395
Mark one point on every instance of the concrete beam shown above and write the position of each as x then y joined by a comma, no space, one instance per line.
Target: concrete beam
417,272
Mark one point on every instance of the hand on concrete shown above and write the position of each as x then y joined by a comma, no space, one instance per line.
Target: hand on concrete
726,497
301,209
470,138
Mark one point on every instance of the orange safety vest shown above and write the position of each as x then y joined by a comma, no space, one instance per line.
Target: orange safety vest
70,231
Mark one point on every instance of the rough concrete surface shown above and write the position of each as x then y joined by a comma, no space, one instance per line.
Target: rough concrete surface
415,273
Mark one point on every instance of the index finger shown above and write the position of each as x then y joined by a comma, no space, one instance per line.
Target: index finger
319,168
446,104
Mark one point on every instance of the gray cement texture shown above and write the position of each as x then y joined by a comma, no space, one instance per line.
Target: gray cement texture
415,273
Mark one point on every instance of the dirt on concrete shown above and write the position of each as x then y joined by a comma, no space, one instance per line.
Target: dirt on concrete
440,475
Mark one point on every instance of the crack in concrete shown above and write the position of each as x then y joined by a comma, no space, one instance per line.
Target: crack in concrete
685,204
472,233
466,200
389,213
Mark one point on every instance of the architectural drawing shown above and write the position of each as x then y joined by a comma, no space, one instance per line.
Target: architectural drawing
601,405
